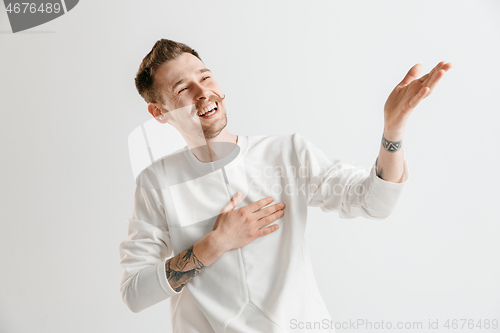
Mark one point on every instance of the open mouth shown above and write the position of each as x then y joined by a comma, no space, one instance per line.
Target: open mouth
210,111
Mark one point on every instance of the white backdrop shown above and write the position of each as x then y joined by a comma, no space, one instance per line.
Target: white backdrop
320,68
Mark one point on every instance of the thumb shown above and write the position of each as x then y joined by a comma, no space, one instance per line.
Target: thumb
233,203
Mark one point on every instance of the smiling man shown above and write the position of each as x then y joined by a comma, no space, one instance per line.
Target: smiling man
218,230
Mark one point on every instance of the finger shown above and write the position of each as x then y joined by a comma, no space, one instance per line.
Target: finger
269,210
267,230
447,66
233,203
255,206
433,81
270,218
438,66
441,66
418,97
425,79
411,75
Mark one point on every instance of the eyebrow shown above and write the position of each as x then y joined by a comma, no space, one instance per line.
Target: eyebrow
203,70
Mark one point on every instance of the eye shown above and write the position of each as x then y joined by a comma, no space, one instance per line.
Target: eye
206,77
182,90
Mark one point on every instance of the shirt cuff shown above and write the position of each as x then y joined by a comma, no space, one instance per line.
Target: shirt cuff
162,274
383,195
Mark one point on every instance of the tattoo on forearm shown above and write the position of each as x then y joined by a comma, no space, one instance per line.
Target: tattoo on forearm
182,268
391,146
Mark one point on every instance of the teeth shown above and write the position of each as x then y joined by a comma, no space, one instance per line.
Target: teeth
205,110
210,113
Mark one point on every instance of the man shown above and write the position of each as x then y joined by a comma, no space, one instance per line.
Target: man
206,232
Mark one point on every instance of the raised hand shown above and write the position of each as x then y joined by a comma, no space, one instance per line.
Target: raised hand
408,94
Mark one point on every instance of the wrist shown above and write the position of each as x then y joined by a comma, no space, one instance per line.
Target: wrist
394,135
209,248
217,243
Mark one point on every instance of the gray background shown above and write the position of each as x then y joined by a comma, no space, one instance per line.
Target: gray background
323,69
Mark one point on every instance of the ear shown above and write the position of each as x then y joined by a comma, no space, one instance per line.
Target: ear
156,111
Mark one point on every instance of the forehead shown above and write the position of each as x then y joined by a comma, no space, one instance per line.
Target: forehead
174,70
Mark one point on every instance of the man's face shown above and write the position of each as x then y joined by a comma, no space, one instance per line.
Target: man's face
188,90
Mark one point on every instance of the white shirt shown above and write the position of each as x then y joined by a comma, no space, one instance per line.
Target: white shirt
267,285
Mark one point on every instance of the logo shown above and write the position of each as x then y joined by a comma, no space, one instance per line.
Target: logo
26,15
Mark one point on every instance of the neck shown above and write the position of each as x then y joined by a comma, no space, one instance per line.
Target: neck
213,149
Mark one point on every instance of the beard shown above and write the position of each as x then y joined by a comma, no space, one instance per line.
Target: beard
213,130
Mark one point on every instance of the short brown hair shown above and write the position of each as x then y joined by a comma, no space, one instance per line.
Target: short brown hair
164,50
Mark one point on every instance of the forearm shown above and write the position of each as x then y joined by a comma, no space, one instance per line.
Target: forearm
390,163
189,263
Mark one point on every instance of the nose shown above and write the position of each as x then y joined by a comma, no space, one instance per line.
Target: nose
201,92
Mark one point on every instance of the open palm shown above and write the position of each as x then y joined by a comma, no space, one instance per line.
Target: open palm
408,94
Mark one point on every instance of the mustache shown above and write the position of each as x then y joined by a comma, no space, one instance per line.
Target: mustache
213,98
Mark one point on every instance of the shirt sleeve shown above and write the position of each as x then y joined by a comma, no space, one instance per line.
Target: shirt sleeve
143,254
334,185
